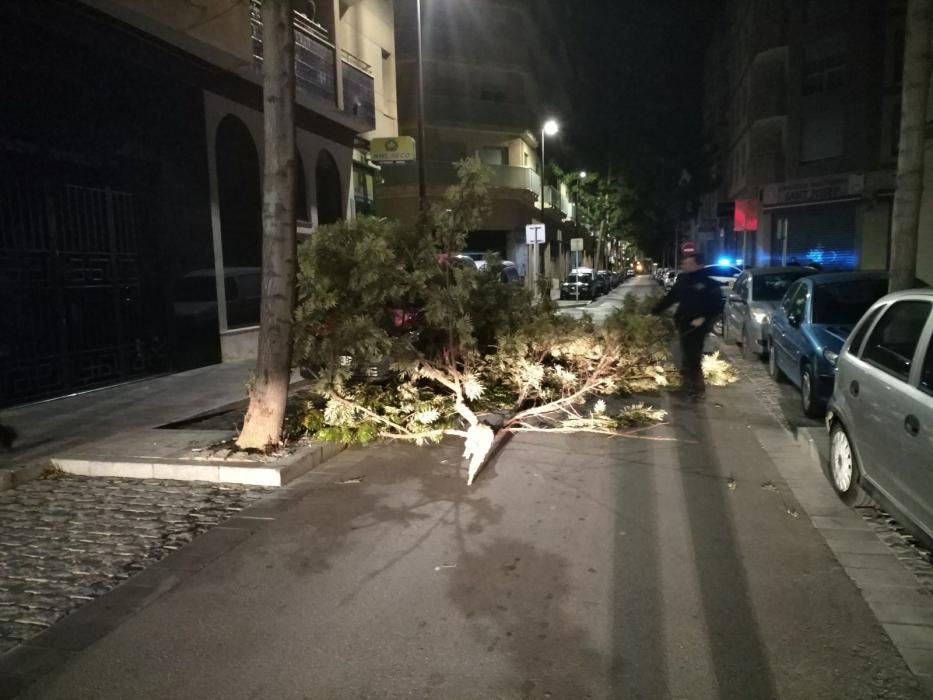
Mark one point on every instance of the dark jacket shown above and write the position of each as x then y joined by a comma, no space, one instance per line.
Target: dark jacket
697,295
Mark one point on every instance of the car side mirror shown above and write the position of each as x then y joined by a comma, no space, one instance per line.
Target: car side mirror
735,298
794,319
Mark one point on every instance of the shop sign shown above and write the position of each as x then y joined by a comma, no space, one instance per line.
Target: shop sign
820,189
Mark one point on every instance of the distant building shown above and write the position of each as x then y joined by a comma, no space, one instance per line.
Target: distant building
485,66
131,143
802,115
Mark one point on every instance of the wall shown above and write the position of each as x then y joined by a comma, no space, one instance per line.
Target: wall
367,30
235,344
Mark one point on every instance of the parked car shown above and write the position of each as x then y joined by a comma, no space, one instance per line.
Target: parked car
580,284
196,297
629,272
881,414
602,282
810,326
726,275
754,297
509,274
670,278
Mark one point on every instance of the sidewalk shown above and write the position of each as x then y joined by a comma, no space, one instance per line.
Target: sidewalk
62,424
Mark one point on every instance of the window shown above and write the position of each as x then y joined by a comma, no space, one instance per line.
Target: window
820,10
741,287
844,303
859,336
796,301
824,67
773,287
926,374
494,155
893,342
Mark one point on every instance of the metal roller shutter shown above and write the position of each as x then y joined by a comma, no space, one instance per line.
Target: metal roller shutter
817,234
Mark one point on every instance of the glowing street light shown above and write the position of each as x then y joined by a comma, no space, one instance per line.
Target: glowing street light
550,128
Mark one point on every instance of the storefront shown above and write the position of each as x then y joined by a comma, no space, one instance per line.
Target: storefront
815,221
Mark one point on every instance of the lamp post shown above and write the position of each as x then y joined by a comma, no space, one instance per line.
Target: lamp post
422,186
550,128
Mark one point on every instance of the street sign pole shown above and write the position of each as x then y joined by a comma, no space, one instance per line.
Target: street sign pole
534,234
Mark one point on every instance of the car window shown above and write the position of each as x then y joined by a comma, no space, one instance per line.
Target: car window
773,287
844,303
789,298
893,342
796,303
741,287
926,373
859,335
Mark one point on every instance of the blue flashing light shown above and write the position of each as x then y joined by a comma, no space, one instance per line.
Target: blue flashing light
724,261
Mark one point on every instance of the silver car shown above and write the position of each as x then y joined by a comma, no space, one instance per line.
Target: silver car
754,297
881,414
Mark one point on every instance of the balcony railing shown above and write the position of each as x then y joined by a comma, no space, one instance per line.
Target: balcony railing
316,71
507,177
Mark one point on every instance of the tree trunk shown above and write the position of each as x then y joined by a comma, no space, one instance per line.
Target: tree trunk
269,389
909,194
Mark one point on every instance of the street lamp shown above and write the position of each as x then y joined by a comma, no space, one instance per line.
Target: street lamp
550,128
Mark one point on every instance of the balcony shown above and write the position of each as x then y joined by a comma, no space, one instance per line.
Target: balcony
443,174
316,73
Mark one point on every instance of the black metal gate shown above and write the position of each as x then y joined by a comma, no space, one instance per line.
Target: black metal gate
79,309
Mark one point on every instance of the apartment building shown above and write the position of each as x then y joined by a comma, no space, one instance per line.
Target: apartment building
484,95
131,145
801,116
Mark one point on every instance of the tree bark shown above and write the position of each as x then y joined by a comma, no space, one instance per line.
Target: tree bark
909,193
269,389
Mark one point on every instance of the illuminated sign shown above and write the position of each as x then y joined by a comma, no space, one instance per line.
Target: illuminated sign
400,149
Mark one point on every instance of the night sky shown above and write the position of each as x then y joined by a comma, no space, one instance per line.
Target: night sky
633,74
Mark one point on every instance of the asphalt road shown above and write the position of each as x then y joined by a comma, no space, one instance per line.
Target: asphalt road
576,567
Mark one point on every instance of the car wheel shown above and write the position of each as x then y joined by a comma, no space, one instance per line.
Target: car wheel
774,371
809,401
718,327
844,473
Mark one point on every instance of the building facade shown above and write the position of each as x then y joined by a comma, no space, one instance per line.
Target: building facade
802,115
483,96
131,146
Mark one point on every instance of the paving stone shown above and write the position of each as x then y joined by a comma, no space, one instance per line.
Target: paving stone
67,540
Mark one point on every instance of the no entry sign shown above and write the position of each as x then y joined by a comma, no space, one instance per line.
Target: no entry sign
688,248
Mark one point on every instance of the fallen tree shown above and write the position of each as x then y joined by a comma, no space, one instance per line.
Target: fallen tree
465,354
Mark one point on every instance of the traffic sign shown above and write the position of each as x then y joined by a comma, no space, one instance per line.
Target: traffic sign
576,244
534,233
688,248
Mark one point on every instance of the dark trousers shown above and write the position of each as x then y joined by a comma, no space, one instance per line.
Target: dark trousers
691,370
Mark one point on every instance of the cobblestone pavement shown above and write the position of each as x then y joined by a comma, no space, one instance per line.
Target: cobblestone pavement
66,540
782,402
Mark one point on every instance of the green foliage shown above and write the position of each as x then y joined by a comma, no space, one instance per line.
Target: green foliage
460,340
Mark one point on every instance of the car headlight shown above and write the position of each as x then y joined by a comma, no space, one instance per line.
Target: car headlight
760,316
831,357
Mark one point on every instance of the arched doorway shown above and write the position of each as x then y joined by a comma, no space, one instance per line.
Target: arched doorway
240,194
329,190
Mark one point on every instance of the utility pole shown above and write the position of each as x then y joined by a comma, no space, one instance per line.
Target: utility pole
422,184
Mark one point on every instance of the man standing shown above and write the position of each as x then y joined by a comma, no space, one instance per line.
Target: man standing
699,303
